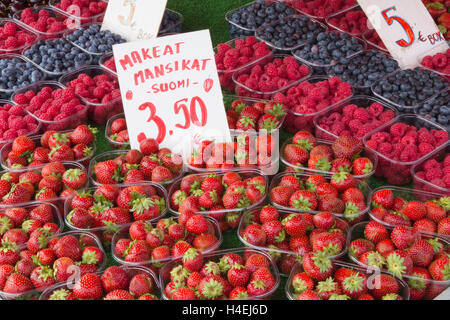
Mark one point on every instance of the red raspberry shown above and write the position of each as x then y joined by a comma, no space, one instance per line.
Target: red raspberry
361,114
398,129
425,148
21,99
11,43
10,29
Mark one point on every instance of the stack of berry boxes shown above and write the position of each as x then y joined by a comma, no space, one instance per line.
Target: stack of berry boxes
305,66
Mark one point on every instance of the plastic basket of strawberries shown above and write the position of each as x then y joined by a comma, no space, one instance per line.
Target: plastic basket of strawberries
52,182
242,274
421,260
115,283
116,132
46,260
104,209
75,145
157,243
151,163
324,279
346,154
425,211
340,194
222,196
283,234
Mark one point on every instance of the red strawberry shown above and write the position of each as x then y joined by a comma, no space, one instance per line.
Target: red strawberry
303,200
387,285
414,210
17,283
342,181
384,198
421,253
403,236
317,265
375,232
362,166
399,263
88,287
83,134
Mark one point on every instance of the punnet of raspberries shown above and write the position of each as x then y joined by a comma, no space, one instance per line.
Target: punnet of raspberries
353,21
435,172
15,122
17,223
115,283
422,261
166,240
319,278
269,77
87,8
60,109
439,62
110,63
321,8
235,54
353,119
221,196
76,145
228,274
106,206
117,132
345,154
283,233
46,22
13,38
390,207
151,163
339,194
52,182
46,260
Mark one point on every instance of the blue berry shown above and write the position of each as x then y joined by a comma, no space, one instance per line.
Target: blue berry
437,109
171,23
17,73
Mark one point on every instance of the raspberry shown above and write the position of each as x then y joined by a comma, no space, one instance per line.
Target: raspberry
372,144
433,173
441,137
425,136
385,148
361,114
425,148
440,60
10,134
9,29
349,109
11,43
438,182
21,99
398,129
387,115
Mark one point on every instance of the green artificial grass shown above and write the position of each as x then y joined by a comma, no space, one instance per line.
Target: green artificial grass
210,14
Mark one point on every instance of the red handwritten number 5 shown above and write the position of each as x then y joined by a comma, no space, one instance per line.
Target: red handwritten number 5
181,104
403,23
157,120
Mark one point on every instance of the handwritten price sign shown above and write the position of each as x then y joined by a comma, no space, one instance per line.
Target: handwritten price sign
406,28
171,91
134,19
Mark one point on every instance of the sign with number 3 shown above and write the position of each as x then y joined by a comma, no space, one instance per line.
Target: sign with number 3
134,19
406,28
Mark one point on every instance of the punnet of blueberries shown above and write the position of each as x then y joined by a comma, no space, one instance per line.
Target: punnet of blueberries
328,47
289,33
172,22
437,109
408,88
57,56
17,73
246,19
364,69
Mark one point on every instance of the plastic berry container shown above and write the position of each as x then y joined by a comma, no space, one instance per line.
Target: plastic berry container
296,4
259,33
20,28
114,144
29,134
365,153
244,173
105,233
399,172
123,233
435,287
305,121
290,291
77,18
131,271
439,49
97,112
341,14
176,28
86,237
111,155
351,219
226,76
247,92
9,92
267,170
70,122
275,253
361,101
422,185
58,15
404,108
368,37
235,30
164,274
104,59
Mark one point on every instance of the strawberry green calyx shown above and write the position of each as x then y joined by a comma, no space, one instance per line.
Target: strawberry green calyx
241,156
101,199
277,110
289,217
197,193
28,224
93,130
331,249
239,190
241,295
368,168
242,140
270,124
179,197
351,211
117,176
6,176
194,186
60,294
5,224
130,166
224,264
323,164
310,186
244,202
155,158
274,253
340,176
280,237
247,122
8,246
444,202
353,283
72,174
87,151
212,268
212,289
417,282
299,285
128,248
335,296
375,259
16,166
89,257
302,203
111,227
61,138
238,109
322,261
395,265
190,254
326,285
46,273
390,296
259,284
142,204
231,218
436,244
179,273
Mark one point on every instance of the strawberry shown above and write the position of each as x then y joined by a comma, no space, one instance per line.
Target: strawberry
295,155
17,283
399,263
74,178
434,211
302,282
440,269
354,285
308,295
295,225
42,277
305,139
327,243
360,246
403,236
383,198
238,275
61,153
375,232
444,226
421,253
107,172
63,268
149,146
346,147
317,265
141,284
68,246
362,166
192,260
418,283
342,181
83,134
88,287
183,294
425,225
303,200
387,285
323,220
197,224
414,210
23,145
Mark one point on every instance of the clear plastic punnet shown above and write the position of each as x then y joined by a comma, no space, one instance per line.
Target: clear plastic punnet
20,28
108,133
164,274
104,59
175,28
439,49
234,29
333,19
305,7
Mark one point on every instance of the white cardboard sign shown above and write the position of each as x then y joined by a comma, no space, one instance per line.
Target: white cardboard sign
171,91
134,19
406,28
